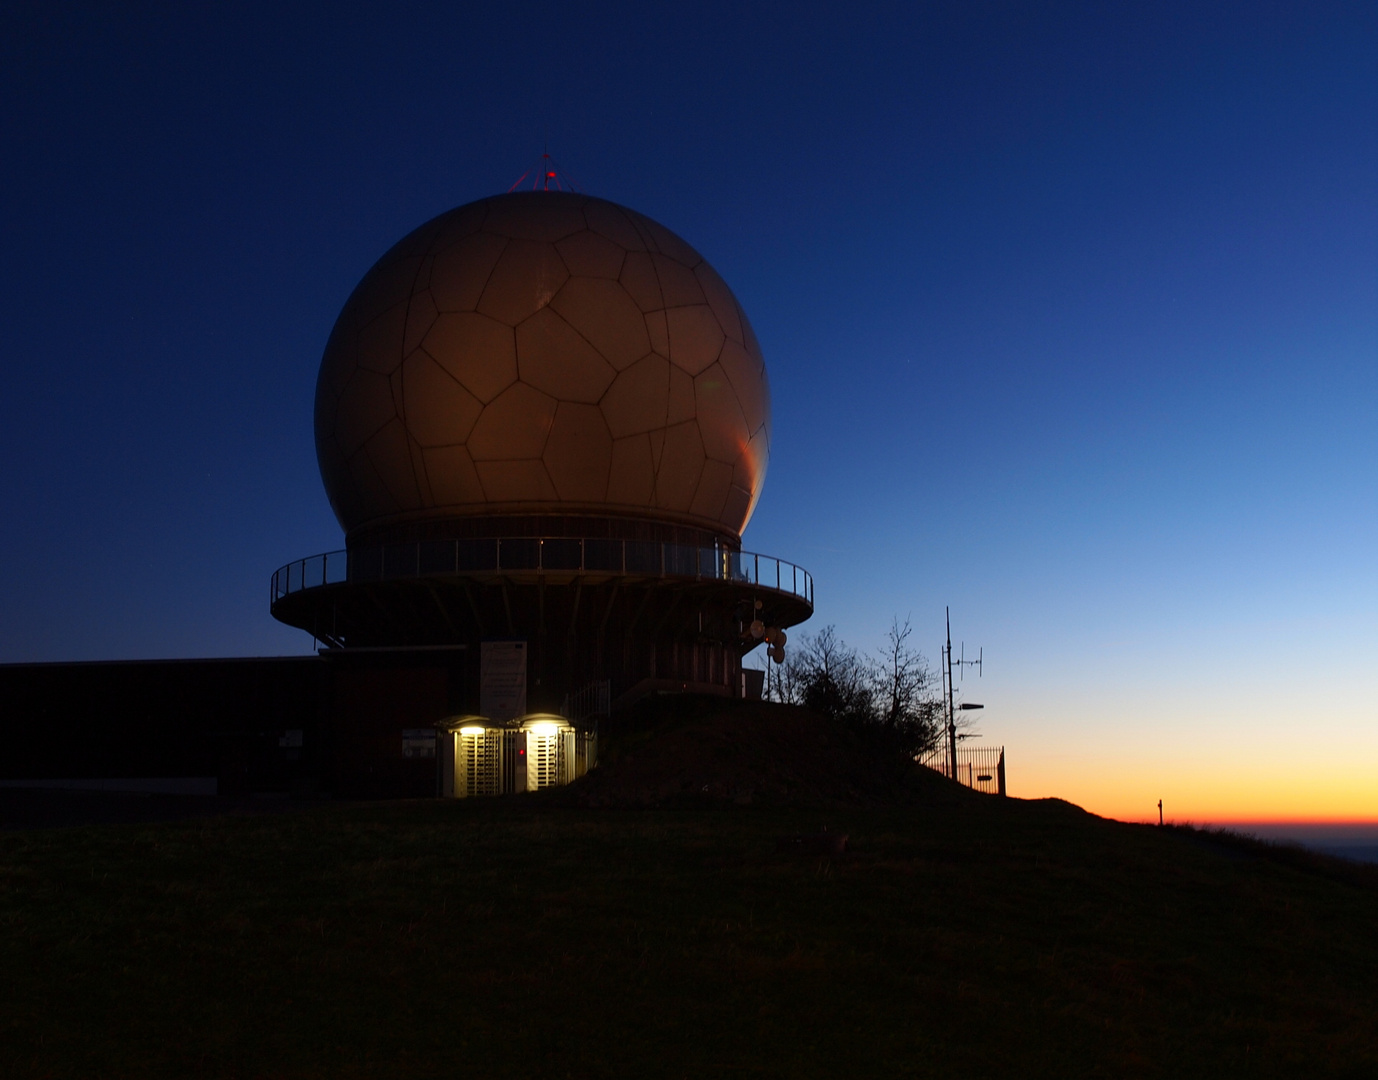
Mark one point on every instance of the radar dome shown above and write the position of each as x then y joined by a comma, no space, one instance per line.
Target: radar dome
542,353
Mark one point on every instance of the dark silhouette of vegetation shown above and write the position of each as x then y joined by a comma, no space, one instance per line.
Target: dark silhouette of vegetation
891,698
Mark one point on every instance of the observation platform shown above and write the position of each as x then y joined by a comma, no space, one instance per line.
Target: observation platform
434,592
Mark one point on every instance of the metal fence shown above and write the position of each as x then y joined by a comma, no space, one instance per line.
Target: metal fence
642,558
593,701
978,767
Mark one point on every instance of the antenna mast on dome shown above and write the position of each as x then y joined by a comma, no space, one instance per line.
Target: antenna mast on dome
548,175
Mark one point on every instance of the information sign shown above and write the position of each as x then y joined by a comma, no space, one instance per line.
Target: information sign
502,680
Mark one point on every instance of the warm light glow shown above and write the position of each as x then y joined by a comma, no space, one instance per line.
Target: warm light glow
472,729
1206,788
544,728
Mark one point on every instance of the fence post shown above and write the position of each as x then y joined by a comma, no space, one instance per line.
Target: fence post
1000,773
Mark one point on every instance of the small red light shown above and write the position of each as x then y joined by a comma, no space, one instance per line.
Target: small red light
551,175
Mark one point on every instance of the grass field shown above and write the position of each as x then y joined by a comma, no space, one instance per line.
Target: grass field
523,937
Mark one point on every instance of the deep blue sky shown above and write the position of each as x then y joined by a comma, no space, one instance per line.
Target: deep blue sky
1071,314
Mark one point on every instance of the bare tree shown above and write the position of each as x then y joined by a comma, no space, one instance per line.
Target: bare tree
829,676
909,705
838,681
891,697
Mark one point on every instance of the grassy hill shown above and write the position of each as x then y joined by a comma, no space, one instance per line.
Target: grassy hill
638,925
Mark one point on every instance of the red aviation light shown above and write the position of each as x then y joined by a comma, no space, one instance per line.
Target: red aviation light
542,174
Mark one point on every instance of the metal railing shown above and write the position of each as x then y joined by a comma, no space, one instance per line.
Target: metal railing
978,767
639,558
593,700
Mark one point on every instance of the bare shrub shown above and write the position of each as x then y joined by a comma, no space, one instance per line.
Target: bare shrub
890,697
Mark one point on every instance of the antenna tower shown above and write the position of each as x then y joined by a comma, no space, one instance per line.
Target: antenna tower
952,709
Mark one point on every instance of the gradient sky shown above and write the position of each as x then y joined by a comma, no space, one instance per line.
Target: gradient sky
1070,311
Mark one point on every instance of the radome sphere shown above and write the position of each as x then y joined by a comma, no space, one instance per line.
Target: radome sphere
542,353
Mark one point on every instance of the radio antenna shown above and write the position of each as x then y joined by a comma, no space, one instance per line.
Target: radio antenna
952,709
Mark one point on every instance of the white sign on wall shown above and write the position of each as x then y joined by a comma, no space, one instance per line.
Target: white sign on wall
502,680
418,742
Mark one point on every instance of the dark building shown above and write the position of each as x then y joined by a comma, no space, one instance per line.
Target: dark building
262,725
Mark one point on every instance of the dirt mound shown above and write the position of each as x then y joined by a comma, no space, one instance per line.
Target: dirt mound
690,750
